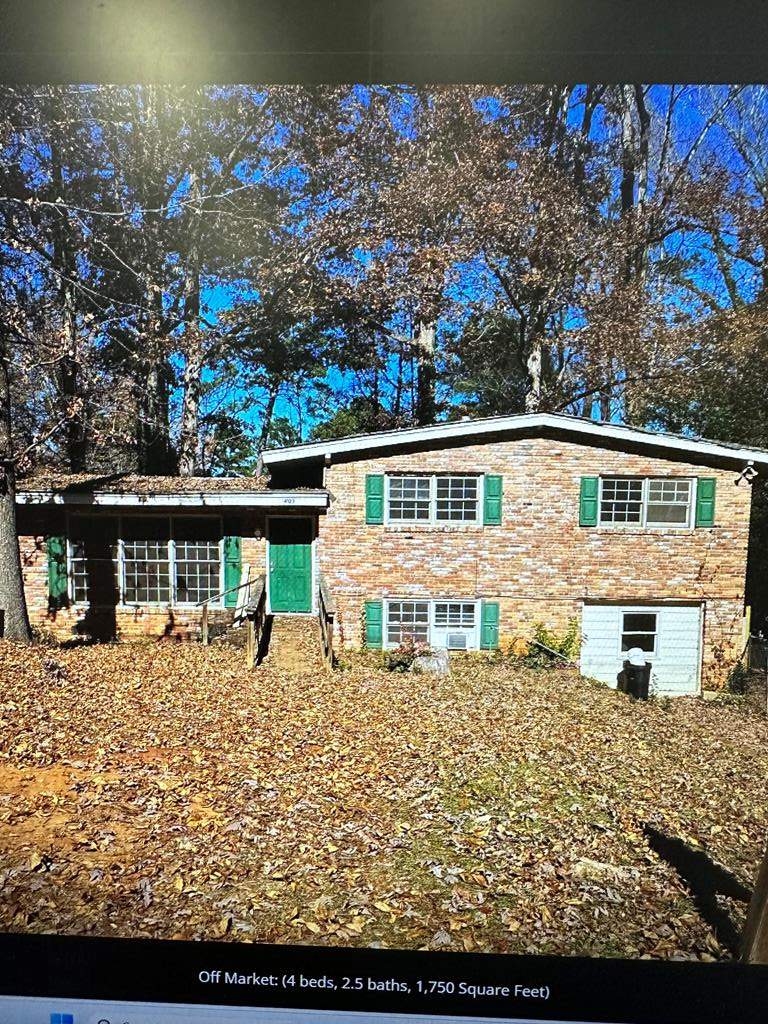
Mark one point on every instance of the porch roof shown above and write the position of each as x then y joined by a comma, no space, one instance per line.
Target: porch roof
549,425
133,491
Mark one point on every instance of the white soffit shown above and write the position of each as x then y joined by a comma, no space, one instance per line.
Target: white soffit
229,499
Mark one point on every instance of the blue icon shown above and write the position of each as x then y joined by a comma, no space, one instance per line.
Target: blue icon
62,1018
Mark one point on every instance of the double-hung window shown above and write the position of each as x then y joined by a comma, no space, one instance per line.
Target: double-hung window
433,499
642,501
453,625
407,620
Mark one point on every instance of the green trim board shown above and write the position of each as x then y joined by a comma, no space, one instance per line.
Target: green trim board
58,582
705,501
588,500
492,497
374,625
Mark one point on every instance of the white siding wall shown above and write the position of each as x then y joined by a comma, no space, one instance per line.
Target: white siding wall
676,662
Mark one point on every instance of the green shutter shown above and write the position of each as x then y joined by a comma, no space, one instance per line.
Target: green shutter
374,498
492,501
590,486
705,501
58,590
489,625
232,563
374,620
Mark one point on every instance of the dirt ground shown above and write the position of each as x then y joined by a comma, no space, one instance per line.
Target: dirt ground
160,790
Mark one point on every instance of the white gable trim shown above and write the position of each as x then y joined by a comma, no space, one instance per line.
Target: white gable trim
472,429
229,499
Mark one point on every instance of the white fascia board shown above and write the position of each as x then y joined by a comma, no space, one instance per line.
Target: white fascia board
473,429
224,499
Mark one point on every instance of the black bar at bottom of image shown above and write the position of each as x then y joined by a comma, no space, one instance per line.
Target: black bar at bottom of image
396,981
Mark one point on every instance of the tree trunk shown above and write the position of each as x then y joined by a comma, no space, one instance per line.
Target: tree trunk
628,177
74,402
534,364
189,437
73,405
397,403
426,408
13,604
194,344
635,149
155,453
605,406
266,421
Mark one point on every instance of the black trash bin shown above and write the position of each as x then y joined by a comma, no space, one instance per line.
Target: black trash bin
637,674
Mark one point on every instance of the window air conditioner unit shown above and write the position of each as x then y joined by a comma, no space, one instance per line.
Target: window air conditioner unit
457,641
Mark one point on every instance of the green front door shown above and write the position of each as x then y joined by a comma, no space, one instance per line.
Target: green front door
290,565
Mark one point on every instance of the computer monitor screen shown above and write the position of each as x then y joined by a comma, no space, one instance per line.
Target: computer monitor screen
382,531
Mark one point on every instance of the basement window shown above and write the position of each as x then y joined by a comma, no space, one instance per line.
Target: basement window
639,629
453,625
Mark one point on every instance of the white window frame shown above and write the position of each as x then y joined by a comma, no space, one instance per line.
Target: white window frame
640,611
431,602
432,520
173,602
644,524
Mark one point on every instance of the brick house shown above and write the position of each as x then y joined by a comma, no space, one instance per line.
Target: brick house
464,534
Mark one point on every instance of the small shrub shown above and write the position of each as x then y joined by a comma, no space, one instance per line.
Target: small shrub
566,644
400,659
45,637
738,680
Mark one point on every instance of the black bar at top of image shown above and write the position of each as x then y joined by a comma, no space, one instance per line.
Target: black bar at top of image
142,970
308,41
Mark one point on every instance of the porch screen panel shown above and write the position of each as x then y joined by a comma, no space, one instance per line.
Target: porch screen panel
93,560
198,558
146,557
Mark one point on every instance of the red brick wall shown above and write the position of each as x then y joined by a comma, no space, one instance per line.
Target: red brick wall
540,564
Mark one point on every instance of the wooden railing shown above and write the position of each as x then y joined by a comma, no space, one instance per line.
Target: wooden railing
251,609
245,587
255,618
327,613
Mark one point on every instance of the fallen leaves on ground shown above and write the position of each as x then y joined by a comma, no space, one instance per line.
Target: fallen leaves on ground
162,790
